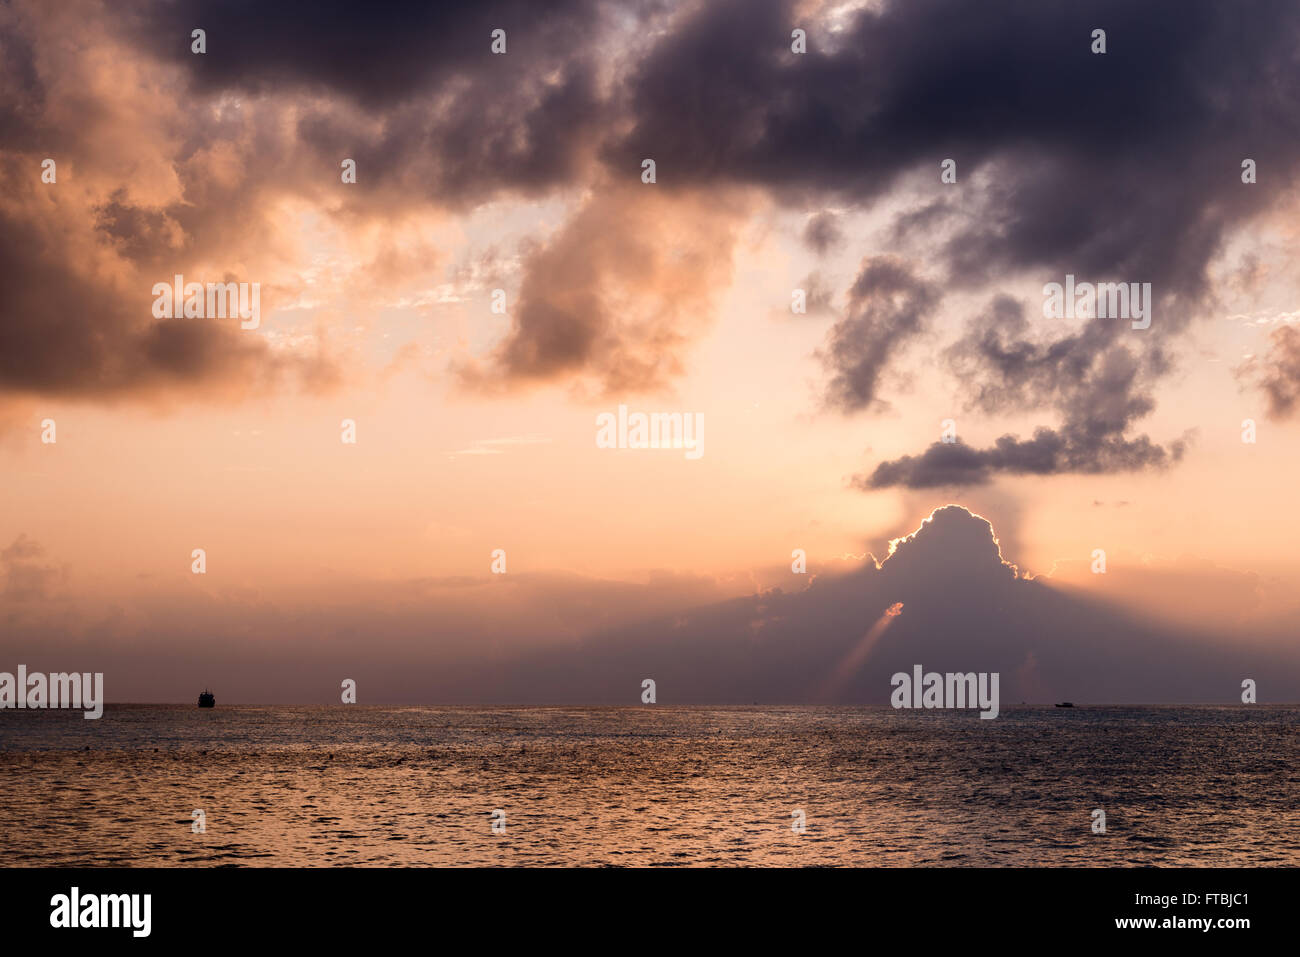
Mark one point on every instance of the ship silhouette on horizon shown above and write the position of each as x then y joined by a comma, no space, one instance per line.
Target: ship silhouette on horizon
207,699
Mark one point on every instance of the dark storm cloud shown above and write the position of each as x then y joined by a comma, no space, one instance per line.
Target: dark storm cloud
21,92
283,93
1122,166
1099,385
84,338
1117,166
1127,162
479,121
50,337
888,307
1072,448
500,131
378,53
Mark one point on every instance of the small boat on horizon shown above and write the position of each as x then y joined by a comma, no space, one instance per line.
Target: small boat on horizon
1066,704
207,699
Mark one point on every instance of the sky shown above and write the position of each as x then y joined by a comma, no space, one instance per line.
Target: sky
500,274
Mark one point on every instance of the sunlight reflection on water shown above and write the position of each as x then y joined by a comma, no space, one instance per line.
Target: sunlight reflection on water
650,786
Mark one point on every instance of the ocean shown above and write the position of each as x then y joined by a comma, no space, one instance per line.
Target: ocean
650,786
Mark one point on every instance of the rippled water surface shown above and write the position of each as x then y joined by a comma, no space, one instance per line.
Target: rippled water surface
650,786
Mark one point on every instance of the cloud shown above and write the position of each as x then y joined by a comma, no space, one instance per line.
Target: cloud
1098,383
1012,91
145,189
964,608
951,541
569,640
379,58
1049,452
67,332
888,306
619,293
818,294
1065,161
213,162
26,578
456,123
1277,374
823,232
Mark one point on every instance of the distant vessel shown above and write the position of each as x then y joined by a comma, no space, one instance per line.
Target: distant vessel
1066,704
207,700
